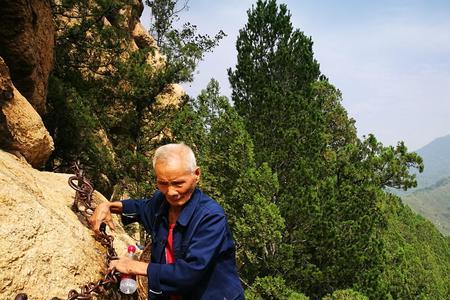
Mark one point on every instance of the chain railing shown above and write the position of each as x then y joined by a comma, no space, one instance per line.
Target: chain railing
83,192
82,205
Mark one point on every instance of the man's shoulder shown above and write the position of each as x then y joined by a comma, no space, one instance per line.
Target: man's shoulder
156,200
208,205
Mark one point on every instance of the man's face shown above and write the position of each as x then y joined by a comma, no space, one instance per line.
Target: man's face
175,181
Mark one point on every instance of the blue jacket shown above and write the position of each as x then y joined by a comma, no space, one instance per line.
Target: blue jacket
205,265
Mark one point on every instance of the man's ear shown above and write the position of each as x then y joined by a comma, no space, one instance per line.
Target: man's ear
197,174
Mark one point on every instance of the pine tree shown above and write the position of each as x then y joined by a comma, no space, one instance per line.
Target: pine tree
271,84
331,183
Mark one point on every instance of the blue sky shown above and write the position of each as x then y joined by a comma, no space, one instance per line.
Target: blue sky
390,59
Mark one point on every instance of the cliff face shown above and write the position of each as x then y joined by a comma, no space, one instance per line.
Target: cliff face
22,130
26,60
26,45
45,250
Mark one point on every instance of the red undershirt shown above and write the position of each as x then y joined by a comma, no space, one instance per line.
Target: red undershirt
170,256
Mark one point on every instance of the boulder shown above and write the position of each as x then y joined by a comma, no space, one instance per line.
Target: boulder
45,251
142,38
21,126
170,96
26,44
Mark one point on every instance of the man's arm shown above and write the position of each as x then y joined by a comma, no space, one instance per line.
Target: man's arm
102,214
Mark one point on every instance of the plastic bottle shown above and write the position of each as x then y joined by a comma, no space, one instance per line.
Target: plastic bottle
128,283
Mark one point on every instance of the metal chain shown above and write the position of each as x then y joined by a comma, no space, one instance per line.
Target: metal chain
83,205
83,192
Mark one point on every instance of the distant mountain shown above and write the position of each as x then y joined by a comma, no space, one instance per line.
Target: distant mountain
431,198
433,203
436,157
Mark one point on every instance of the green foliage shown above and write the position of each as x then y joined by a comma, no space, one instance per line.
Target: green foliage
417,257
84,40
391,164
272,288
287,112
75,132
164,13
331,183
348,294
272,78
87,53
432,203
183,48
305,197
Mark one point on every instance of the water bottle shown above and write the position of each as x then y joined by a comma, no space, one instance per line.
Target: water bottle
128,283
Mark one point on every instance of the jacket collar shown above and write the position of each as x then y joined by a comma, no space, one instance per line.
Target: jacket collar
186,213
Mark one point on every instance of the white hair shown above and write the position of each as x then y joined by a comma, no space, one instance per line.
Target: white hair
171,151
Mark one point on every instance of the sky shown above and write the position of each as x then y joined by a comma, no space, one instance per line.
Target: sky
390,59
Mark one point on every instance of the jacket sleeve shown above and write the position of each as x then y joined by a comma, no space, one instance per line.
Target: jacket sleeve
131,210
141,211
210,238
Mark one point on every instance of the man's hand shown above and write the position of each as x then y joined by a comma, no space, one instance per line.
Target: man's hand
102,214
127,265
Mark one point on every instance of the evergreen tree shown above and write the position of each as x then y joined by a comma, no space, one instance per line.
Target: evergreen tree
331,183
271,84
417,256
182,47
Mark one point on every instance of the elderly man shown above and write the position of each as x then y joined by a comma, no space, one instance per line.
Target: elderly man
193,254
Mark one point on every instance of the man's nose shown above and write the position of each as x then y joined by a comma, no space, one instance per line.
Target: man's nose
171,191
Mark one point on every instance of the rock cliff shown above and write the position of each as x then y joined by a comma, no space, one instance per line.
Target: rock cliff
45,250
22,130
26,44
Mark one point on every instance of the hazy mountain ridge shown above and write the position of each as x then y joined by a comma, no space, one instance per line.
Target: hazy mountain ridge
431,198
433,203
436,157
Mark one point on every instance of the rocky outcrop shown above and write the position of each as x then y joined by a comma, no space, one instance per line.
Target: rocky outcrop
21,128
26,44
45,249
143,40
170,96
